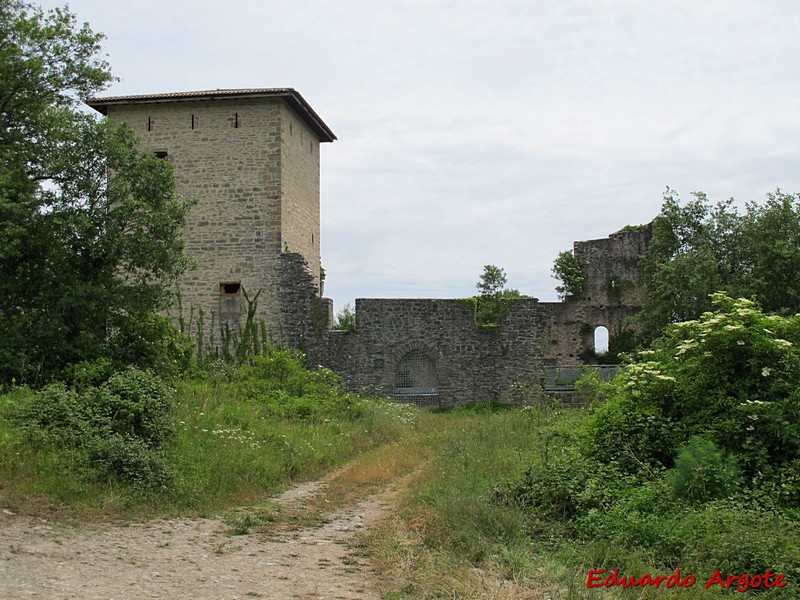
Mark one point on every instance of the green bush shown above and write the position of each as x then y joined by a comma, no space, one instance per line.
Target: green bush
136,404
119,428
151,341
730,376
128,459
689,458
702,472
282,386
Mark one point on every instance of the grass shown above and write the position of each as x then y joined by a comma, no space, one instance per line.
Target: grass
448,539
227,451
451,538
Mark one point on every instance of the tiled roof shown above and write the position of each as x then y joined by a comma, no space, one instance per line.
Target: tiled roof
290,95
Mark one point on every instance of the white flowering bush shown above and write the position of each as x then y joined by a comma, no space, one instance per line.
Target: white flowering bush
731,376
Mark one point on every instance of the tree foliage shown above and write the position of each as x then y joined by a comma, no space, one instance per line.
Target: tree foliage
89,226
730,376
494,300
699,248
568,269
492,281
346,319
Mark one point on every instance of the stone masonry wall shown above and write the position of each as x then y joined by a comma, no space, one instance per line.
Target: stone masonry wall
300,223
611,267
231,156
472,364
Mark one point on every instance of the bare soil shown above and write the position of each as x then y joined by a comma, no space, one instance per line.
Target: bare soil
188,558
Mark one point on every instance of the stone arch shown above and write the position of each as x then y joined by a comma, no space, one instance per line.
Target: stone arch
415,374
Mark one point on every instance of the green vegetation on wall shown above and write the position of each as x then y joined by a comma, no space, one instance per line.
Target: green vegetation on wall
494,301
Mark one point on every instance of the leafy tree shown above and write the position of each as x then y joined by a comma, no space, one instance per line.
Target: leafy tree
494,300
568,269
699,248
346,319
492,281
89,226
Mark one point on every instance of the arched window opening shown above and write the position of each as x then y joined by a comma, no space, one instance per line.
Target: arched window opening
601,340
415,379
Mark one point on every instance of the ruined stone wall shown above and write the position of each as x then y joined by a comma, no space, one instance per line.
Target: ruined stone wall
472,364
611,268
253,167
613,294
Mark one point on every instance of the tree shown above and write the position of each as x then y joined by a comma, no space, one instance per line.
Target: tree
90,228
699,248
494,300
492,281
346,319
568,269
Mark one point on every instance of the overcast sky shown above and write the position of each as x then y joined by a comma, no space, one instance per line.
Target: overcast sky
476,132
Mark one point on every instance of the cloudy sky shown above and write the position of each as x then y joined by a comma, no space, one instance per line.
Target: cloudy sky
476,132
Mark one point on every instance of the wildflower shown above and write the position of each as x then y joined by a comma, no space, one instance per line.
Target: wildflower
766,371
740,342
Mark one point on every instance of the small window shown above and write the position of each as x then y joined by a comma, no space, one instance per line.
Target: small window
193,122
149,124
601,340
230,289
161,154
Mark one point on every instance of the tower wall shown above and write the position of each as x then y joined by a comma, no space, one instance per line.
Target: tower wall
252,166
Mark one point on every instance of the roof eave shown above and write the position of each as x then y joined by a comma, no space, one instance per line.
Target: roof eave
290,96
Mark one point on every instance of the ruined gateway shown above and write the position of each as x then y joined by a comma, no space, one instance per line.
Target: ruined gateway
250,157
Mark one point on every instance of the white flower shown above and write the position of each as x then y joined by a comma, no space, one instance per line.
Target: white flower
740,342
766,371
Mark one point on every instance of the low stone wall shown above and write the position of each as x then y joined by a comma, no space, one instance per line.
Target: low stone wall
472,363
432,349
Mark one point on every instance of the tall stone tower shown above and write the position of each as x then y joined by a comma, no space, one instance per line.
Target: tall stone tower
250,158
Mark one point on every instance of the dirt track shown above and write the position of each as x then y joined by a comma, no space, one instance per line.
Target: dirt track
186,558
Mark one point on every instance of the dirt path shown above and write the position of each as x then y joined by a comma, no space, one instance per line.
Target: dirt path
187,558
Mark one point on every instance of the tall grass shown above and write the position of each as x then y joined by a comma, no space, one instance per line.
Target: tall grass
234,443
450,539
457,535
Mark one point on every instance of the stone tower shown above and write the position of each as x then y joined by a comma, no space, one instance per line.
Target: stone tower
250,158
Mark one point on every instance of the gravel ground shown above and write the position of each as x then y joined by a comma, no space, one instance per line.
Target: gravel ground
186,558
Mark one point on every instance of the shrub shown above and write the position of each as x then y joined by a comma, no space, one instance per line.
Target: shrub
730,376
151,341
282,385
702,472
128,459
119,428
136,404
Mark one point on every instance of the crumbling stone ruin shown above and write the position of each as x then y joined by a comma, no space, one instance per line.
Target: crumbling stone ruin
251,160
